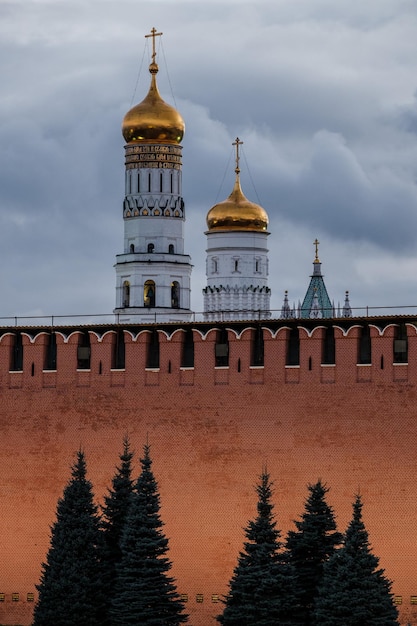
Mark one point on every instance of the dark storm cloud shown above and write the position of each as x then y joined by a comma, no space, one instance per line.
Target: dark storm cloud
333,193
322,93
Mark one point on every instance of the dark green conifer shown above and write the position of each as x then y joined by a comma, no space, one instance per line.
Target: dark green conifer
70,588
144,593
262,589
311,545
115,510
353,591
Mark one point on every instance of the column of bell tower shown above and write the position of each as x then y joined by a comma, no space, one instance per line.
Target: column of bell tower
153,273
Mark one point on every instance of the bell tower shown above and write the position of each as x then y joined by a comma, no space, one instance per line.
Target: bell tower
237,257
153,273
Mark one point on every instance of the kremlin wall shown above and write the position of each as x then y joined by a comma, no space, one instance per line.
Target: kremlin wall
312,394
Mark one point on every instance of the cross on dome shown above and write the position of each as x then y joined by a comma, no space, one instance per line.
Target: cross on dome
153,34
237,143
153,120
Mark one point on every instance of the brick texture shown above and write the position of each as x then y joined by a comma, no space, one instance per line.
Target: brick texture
211,430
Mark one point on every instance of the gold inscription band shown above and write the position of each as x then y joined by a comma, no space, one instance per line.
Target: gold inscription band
152,164
167,157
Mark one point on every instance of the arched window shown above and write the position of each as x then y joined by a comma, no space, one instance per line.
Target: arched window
149,293
132,247
151,247
175,294
126,293
171,248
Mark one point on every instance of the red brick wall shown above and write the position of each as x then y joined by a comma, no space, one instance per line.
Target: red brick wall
211,430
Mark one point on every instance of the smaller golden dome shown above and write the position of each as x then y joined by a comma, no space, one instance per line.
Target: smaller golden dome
153,120
237,213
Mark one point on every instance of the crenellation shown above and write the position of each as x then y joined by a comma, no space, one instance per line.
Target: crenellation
86,355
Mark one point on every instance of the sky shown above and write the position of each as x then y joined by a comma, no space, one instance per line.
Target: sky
322,93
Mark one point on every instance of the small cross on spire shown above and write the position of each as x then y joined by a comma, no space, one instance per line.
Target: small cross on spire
316,243
153,35
237,143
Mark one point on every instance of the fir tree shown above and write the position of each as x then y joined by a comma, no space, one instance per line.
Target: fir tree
115,510
262,589
353,591
70,589
311,545
144,593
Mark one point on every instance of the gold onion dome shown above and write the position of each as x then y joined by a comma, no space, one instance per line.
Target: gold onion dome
237,213
153,120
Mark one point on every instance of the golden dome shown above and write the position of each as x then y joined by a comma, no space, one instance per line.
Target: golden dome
153,120
237,213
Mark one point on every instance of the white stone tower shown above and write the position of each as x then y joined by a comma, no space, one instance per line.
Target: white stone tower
153,273
237,258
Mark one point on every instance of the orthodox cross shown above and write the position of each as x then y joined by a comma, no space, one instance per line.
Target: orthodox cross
316,243
237,143
153,35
